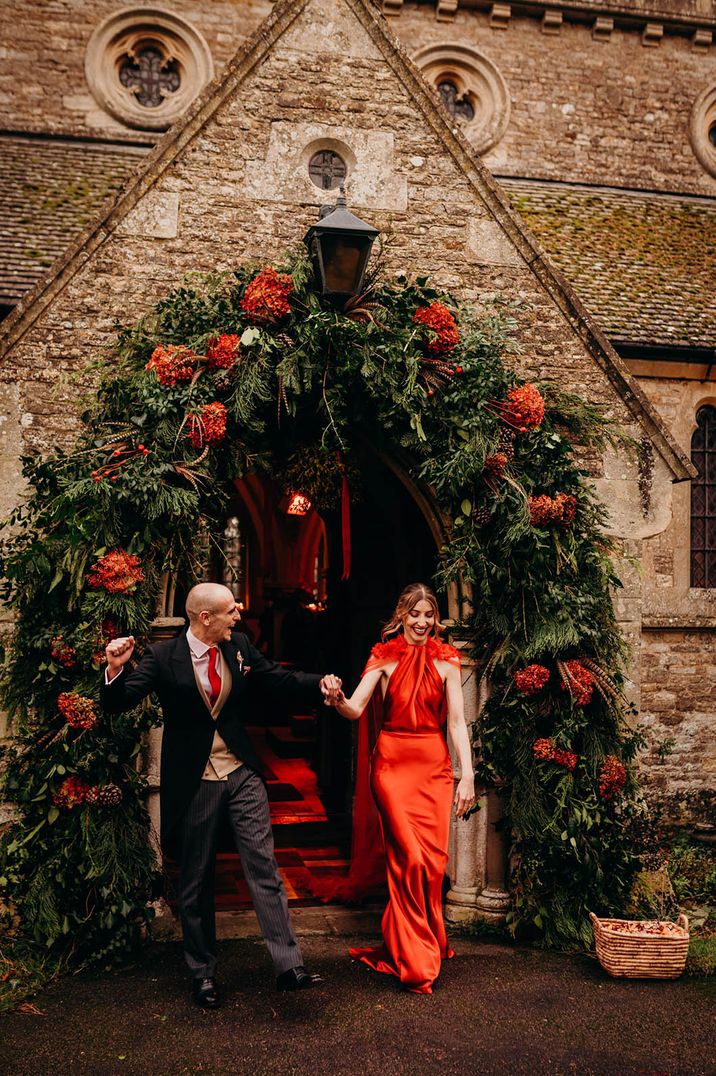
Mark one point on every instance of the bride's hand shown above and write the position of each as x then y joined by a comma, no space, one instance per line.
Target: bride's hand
464,796
331,688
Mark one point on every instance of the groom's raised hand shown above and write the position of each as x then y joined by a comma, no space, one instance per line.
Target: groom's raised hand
118,652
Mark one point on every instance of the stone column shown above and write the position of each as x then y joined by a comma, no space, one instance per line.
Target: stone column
477,864
162,627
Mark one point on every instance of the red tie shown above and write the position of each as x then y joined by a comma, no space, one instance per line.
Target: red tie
214,678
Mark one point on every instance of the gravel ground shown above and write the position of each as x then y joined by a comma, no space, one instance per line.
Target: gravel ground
496,1009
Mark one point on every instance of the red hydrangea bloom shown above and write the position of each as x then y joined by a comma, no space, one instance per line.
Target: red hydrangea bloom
612,777
541,510
172,364
443,335
524,408
579,683
222,351
62,653
543,749
208,427
71,793
117,572
568,759
531,680
562,508
566,506
77,710
495,465
266,296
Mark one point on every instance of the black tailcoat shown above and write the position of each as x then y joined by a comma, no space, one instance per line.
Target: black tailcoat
166,668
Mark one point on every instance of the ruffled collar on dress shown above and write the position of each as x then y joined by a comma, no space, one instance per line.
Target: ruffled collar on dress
393,649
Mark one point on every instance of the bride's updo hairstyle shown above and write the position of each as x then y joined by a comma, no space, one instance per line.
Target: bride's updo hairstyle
409,598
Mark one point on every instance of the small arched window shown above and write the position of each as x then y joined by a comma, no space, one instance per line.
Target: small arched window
703,500
234,560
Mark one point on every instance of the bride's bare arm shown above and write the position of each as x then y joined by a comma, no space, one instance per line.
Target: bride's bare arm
465,791
353,707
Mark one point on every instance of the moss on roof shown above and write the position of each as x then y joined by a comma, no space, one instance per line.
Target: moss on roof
50,191
643,264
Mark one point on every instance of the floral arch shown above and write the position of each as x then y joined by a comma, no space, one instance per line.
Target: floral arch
251,372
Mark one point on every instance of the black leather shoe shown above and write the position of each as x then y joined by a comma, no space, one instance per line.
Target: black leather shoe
297,979
205,994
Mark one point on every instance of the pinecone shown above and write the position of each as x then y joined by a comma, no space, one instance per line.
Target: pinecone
109,796
223,382
481,516
507,442
92,795
284,340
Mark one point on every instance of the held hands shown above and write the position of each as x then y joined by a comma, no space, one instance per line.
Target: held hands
331,688
118,652
464,796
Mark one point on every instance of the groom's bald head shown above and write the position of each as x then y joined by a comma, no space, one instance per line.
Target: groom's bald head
207,597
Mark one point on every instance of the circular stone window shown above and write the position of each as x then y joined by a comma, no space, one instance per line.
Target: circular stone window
327,169
702,129
145,66
471,89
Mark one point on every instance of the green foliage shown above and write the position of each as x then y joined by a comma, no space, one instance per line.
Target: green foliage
301,394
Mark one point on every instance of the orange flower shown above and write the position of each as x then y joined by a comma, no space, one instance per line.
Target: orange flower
524,408
172,364
78,711
266,296
117,572
208,427
443,335
531,680
222,351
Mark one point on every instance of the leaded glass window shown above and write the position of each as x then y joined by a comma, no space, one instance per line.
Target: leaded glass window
150,76
234,573
458,105
327,169
703,500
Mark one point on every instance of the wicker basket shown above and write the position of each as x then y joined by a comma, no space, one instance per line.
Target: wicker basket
640,956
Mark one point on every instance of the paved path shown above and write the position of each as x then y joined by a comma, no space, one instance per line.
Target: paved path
496,1010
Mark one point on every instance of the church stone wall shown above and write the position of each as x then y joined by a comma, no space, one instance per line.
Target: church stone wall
42,57
585,110
678,650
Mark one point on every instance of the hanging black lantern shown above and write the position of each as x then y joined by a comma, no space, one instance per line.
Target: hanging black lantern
339,246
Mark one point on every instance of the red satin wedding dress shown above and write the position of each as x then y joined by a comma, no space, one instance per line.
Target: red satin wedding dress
411,780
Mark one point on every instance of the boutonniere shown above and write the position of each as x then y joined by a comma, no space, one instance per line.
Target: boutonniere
243,669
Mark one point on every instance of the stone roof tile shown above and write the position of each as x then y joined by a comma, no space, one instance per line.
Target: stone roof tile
643,264
51,190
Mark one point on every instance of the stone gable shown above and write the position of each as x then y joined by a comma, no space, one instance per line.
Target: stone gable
230,183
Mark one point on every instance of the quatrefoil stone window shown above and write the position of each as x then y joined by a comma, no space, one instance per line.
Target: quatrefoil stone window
145,66
702,128
471,89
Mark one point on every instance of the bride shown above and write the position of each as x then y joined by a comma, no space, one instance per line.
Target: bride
417,678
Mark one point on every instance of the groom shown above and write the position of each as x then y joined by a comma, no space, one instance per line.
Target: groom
210,769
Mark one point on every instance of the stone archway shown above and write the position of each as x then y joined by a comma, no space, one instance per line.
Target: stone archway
477,866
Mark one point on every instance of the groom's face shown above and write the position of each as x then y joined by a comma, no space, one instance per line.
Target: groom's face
224,617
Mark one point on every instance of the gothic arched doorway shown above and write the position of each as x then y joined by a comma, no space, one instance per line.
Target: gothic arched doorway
286,572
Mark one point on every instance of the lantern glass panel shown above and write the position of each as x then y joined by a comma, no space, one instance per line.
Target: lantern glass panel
344,258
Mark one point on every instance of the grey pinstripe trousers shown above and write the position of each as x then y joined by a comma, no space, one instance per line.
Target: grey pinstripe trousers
243,797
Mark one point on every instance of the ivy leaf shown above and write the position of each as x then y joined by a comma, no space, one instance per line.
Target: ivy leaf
466,507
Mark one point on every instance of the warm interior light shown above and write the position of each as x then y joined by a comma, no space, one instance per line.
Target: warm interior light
298,505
